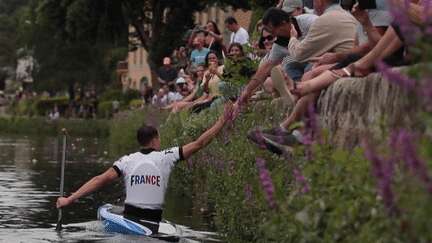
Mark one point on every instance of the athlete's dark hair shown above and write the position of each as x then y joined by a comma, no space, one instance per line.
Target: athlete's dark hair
145,134
230,20
275,17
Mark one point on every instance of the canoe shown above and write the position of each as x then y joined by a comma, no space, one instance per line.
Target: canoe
114,222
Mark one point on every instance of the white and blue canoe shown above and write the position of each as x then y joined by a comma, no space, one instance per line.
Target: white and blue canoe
116,223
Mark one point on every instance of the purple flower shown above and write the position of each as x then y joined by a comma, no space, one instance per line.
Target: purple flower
383,172
311,131
428,30
301,180
426,8
248,192
266,182
396,77
410,31
412,161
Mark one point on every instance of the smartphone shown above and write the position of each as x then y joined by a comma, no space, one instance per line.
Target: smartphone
367,4
296,26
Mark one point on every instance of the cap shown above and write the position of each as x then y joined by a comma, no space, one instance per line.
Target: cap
290,5
180,81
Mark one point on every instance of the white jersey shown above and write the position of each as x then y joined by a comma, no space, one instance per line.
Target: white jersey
241,36
146,175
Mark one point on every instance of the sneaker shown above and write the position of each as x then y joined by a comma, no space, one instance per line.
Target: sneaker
275,144
256,136
276,131
286,140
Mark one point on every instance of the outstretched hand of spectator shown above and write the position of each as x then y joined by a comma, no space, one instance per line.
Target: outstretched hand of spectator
228,111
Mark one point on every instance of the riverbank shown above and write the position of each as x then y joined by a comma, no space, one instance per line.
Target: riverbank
41,125
331,195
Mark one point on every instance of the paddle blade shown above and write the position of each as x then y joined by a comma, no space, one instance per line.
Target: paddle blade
59,221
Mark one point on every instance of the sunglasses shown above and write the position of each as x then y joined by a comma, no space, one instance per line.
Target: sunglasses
268,38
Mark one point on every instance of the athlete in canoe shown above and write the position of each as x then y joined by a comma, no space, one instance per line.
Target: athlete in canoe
146,173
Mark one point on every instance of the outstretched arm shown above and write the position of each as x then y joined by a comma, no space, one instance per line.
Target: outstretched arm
90,186
260,76
208,135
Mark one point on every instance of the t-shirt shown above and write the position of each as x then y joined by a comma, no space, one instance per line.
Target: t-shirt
378,18
241,36
304,22
333,31
168,74
174,96
279,51
198,56
141,185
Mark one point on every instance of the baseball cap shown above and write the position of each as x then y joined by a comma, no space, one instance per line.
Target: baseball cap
290,5
180,81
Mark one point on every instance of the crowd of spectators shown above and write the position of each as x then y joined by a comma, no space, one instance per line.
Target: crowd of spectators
301,50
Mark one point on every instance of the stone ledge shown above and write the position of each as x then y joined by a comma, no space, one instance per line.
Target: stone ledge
351,107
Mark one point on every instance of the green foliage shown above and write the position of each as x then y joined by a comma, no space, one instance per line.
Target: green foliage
105,109
40,125
136,104
124,126
117,94
45,105
237,73
9,15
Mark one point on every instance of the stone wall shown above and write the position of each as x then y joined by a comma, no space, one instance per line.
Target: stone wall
352,106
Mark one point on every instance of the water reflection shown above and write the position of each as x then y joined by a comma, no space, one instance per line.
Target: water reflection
29,182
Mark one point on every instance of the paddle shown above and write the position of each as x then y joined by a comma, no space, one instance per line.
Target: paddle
59,219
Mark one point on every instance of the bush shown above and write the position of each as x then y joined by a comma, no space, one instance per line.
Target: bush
105,109
136,104
45,105
111,94
40,125
123,129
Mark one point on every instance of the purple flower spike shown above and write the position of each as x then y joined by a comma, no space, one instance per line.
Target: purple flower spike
383,172
410,31
301,180
412,161
311,131
266,182
396,77
426,8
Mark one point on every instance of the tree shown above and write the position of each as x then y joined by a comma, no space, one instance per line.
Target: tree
74,41
8,24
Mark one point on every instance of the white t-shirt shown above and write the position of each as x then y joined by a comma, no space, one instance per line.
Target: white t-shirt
241,36
378,18
173,96
146,174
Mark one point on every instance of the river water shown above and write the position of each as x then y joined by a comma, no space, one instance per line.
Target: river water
29,186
